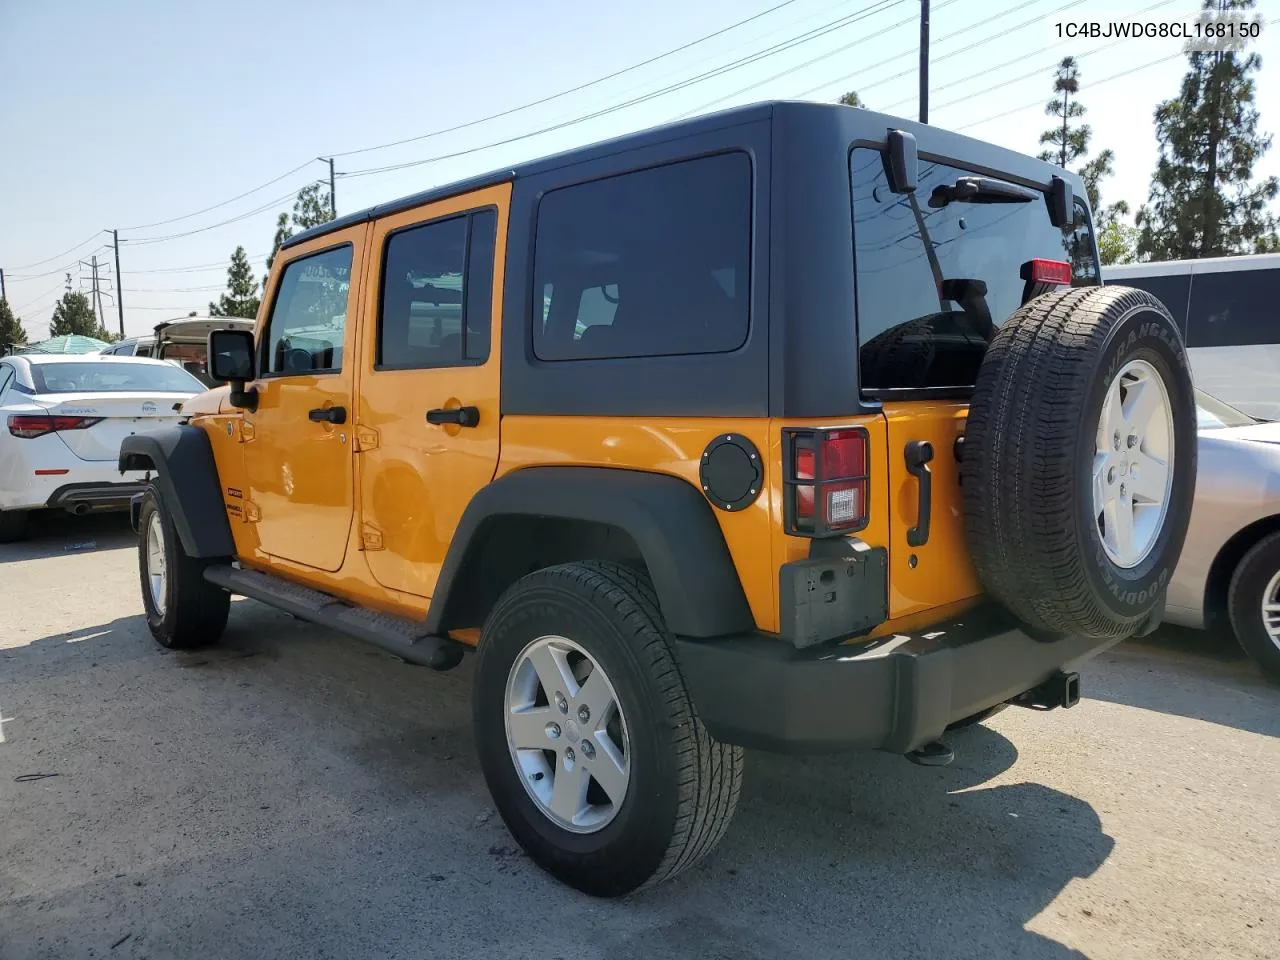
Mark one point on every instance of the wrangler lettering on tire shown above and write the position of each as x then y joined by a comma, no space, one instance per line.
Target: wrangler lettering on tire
1080,457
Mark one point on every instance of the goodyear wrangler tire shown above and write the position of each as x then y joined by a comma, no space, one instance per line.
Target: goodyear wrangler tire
1080,461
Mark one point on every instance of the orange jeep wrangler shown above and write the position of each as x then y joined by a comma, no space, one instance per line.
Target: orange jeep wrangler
796,427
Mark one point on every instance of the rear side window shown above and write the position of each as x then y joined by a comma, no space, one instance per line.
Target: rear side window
1170,289
112,376
437,294
937,276
645,264
308,321
1234,308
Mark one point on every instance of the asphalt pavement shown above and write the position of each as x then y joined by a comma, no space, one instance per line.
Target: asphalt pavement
292,793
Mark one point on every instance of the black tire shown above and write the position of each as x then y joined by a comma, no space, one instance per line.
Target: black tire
683,786
1245,597
13,525
1029,451
195,610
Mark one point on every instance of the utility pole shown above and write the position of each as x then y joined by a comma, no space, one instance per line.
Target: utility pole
924,61
333,198
2,293
115,242
97,293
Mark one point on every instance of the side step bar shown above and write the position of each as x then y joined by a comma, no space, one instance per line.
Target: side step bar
404,638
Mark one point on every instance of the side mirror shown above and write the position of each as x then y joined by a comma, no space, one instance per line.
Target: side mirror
230,360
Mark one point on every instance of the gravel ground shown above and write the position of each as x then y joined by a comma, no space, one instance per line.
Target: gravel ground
296,794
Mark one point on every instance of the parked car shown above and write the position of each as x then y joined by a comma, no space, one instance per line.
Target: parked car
62,419
675,440
1229,571
183,342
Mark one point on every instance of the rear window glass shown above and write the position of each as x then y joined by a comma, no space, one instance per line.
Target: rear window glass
936,279
646,264
119,376
1233,308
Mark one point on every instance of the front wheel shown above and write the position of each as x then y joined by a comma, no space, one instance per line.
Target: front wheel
183,608
1253,603
587,737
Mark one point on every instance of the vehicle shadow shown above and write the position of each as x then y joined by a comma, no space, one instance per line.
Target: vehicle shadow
293,793
52,533
1204,675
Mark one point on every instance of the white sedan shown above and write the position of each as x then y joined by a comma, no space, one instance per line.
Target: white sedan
61,422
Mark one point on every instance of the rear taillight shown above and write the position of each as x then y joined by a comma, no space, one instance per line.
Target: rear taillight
1054,272
825,475
29,426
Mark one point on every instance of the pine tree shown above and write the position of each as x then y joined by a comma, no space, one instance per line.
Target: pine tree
11,330
283,233
73,316
312,207
1067,143
851,99
241,298
1203,200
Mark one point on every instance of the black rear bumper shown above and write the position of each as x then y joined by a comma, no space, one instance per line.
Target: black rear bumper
94,497
895,693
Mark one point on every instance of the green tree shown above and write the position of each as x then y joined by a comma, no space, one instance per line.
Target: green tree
1204,201
312,207
851,99
1117,242
1065,142
11,329
73,316
283,233
241,298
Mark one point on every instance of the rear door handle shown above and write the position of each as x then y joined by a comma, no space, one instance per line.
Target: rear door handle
462,416
327,415
918,454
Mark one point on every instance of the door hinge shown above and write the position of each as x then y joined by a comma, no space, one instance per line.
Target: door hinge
366,439
370,537
251,512
246,430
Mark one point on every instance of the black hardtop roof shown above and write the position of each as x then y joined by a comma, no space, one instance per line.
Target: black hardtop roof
857,123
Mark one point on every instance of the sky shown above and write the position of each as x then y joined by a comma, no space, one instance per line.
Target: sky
137,114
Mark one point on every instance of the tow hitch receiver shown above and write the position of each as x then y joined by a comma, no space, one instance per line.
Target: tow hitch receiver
1060,690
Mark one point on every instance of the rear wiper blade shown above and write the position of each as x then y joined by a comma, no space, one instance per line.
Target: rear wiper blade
978,190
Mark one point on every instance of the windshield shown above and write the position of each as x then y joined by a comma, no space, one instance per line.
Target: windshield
108,376
1213,414
939,271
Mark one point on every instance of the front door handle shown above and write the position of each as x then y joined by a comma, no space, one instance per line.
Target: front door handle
327,415
918,454
462,416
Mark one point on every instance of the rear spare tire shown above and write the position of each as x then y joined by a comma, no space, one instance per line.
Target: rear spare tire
1080,461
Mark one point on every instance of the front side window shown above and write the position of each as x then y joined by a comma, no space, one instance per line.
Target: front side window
437,294
645,264
940,270
308,321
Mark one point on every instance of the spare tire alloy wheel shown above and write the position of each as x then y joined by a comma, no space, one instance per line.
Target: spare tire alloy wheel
1133,465
567,734
1080,461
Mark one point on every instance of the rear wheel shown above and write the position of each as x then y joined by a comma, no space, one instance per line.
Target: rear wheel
1079,461
183,609
1253,603
13,525
589,743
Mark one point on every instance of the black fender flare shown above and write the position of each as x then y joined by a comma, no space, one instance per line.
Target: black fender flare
187,479
668,519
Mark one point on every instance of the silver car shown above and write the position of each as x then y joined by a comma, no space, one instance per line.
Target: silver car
1229,571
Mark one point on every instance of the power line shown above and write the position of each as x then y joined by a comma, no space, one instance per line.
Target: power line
56,256
62,269
564,93
192,268
138,241
809,63
1095,83
240,196
861,14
